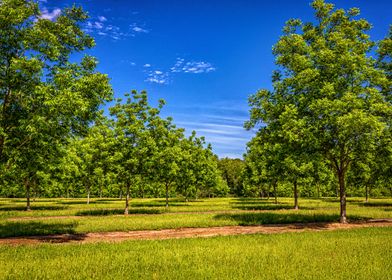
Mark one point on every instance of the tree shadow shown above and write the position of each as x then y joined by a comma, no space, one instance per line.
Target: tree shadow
376,204
34,228
265,205
156,204
33,207
108,212
253,219
82,202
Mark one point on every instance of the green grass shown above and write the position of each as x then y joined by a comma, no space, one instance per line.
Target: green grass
350,254
105,215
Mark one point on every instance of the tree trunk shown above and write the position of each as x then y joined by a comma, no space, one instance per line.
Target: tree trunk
268,192
295,195
318,190
88,196
167,195
126,211
275,193
27,185
342,188
121,194
367,192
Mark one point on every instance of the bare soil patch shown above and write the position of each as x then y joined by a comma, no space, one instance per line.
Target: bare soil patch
189,232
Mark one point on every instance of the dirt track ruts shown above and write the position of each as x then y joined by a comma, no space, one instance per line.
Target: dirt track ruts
189,232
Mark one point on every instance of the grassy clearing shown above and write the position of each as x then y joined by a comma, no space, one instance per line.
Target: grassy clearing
351,254
103,216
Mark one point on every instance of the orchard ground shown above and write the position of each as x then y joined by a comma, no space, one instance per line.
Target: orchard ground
301,245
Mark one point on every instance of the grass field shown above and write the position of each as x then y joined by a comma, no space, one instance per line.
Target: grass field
364,253
351,254
54,216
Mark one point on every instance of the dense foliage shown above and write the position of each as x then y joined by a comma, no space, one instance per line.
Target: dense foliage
330,106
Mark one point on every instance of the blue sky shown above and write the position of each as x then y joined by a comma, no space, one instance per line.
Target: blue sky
203,57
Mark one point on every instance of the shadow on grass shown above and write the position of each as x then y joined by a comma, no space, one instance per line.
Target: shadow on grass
376,204
33,228
270,207
253,219
80,202
33,207
108,212
156,204
255,202
264,205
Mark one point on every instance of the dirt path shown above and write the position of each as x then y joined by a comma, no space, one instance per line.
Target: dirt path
33,218
189,232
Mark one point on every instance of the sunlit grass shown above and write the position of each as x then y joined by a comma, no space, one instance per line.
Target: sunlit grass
149,214
350,254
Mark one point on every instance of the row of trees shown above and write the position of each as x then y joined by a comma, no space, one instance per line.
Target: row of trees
329,113
55,140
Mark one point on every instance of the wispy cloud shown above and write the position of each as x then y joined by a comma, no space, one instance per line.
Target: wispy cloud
157,77
46,14
100,26
102,18
195,67
103,26
139,29
180,66
221,123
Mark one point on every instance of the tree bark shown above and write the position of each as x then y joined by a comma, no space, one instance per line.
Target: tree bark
295,195
88,195
367,192
275,193
268,192
126,211
167,195
342,189
318,190
27,185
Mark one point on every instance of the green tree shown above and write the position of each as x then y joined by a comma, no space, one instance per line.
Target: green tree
43,97
326,99
134,144
231,170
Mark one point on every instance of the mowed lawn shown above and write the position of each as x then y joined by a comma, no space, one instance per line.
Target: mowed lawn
364,253
56,216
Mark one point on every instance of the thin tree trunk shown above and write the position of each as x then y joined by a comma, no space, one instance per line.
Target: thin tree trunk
318,190
167,195
342,188
120,193
27,185
295,195
88,195
275,193
268,192
367,192
126,211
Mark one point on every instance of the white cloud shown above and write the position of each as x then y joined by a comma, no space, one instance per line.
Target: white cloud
45,14
194,67
98,25
157,77
138,29
102,28
147,65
